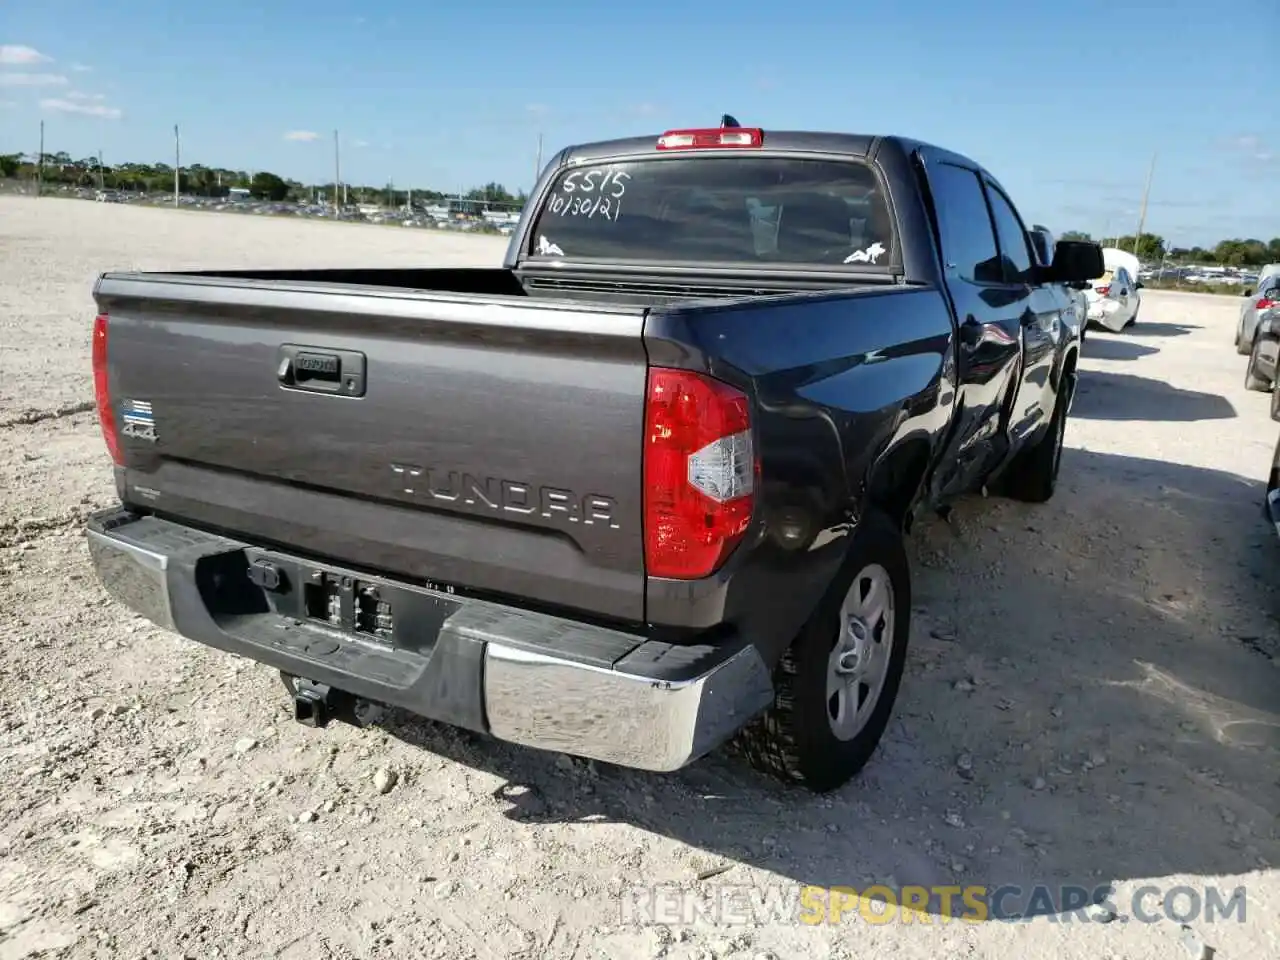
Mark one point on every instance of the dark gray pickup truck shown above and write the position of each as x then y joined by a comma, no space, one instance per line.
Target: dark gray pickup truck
639,490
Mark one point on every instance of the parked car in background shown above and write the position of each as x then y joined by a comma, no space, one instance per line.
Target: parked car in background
1259,300
1264,342
1114,298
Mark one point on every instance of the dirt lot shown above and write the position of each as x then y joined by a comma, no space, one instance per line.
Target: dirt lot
1092,698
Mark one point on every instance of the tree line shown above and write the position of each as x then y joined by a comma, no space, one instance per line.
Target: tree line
1150,247
200,181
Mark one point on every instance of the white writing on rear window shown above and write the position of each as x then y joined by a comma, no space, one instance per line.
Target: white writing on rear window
591,194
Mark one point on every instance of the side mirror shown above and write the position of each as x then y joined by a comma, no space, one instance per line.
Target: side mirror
1139,285
1076,261
1247,292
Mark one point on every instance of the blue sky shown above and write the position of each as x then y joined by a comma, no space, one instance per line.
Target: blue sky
1065,103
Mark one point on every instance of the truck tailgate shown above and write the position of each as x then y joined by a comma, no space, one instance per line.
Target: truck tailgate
482,443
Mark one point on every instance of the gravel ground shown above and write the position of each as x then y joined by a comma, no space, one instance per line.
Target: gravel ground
1091,699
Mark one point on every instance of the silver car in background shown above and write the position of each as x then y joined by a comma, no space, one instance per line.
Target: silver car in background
1264,341
1257,301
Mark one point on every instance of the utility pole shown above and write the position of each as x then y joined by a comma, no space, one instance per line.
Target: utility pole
177,164
101,183
337,171
1146,193
537,163
40,163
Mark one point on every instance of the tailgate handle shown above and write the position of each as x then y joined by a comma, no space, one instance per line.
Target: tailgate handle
321,370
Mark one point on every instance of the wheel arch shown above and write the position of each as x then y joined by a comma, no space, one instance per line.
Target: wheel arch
897,479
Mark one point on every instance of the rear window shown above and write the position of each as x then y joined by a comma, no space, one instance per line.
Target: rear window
718,209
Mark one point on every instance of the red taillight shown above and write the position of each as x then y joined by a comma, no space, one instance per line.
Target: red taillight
712,137
699,473
1102,291
101,391
1266,303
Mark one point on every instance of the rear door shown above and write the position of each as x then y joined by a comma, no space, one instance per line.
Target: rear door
989,311
1041,308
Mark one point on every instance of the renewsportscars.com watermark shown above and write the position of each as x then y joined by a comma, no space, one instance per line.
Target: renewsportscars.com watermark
743,904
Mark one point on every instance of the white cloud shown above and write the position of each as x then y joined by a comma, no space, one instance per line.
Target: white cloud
538,109
77,95
302,136
1255,148
6,104
88,109
17,55
360,143
81,67
33,80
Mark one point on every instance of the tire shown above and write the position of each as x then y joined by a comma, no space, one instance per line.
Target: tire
1033,476
1134,318
1242,346
809,736
1251,380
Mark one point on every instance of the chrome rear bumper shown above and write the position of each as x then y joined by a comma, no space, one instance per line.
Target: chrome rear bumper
525,677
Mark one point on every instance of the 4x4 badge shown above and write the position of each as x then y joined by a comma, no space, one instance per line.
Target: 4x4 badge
139,421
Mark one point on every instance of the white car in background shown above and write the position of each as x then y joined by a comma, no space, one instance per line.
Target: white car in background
1115,297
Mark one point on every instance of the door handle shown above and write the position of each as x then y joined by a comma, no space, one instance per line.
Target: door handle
321,370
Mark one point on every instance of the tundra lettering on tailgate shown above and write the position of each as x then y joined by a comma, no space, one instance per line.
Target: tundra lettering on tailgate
510,496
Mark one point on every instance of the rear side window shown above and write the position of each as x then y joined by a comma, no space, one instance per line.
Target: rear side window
1013,239
968,240
760,210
